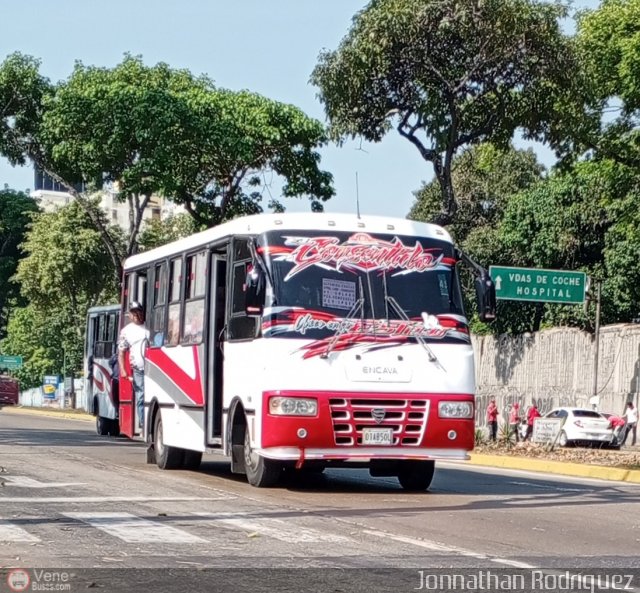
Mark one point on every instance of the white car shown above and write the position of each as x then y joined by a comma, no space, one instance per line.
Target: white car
582,426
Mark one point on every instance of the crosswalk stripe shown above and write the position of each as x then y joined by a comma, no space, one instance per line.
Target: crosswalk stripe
135,530
271,527
13,533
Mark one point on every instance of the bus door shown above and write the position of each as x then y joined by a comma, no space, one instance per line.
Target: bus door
90,339
215,354
135,290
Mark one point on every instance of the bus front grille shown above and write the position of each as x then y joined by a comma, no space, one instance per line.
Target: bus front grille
407,418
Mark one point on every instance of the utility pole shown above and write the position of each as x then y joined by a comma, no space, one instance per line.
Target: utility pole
597,341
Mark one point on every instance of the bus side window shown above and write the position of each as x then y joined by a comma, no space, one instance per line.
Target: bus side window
175,285
111,335
159,305
98,348
195,283
241,327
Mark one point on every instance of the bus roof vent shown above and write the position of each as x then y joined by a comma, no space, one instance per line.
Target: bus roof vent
361,225
390,227
332,223
277,221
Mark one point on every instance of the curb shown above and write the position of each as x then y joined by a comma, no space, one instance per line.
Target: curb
54,413
558,467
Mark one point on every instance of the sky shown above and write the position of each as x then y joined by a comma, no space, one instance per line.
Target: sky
264,46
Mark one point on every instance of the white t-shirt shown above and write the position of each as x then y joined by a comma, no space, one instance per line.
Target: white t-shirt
631,414
133,337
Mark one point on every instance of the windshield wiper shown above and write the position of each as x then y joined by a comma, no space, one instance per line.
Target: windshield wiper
358,306
388,299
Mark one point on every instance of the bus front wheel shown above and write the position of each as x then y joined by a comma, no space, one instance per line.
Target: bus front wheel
261,472
102,425
416,476
166,457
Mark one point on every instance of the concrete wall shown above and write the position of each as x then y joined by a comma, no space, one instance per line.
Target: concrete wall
35,398
555,367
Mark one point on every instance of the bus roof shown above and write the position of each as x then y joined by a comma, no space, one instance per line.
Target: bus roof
310,221
103,309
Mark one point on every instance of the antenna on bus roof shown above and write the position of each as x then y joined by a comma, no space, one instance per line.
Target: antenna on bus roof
357,197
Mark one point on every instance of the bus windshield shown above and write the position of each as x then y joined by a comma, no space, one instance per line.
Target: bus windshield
363,277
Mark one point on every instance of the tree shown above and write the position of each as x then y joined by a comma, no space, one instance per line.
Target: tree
155,130
15,214
608,40
484,179
581,219
64,272
37,337
446,74
162,231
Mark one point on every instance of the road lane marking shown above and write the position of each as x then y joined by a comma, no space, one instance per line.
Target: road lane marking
136,530
439,547
24,482
99,499
272,527
547,487
12,533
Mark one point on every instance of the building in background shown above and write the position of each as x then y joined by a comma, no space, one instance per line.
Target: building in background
51,195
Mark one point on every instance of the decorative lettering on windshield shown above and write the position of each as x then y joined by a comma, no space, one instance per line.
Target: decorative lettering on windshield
368,333
360,252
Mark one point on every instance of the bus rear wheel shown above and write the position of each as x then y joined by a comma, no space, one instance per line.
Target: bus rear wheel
416,476
102,425
261,472
166,457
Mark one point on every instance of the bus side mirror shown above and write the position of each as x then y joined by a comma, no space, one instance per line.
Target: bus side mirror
254,291
486,298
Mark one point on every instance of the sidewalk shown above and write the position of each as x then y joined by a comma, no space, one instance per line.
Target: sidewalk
66,413
565,468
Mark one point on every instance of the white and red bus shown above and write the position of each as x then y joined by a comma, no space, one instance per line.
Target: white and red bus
306,341
101,387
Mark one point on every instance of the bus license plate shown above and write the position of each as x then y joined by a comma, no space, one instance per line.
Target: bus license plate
377,436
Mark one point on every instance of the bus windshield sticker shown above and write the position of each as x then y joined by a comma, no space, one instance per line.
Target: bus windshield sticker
360,252
338,294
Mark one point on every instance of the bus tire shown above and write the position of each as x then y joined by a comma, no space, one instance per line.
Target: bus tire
166,457
261,472
192,459
102,425
416,476
114,427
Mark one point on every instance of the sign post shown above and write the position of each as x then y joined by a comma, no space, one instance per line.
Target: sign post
539,285
11,363
50,386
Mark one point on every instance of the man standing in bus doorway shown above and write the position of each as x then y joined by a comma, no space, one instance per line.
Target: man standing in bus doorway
133,338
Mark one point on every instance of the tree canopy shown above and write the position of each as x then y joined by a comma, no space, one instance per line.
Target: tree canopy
16,209
65,271
608,40
446,74
145,130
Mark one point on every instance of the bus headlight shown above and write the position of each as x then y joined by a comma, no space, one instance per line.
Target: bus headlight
293,406
455,410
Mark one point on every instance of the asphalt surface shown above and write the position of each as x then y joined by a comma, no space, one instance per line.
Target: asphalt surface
483,459
92,508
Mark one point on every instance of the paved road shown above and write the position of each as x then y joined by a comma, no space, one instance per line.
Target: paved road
73,500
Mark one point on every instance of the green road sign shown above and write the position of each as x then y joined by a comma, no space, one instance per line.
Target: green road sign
10,362
533,284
